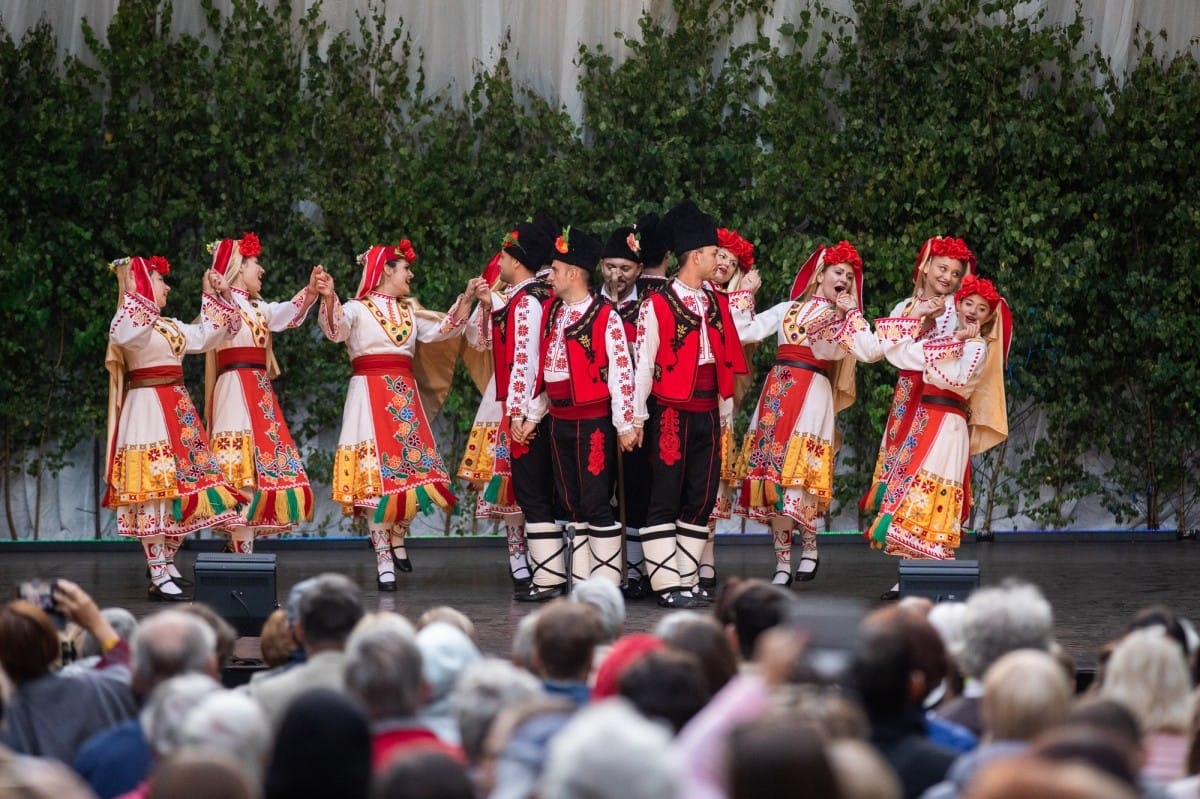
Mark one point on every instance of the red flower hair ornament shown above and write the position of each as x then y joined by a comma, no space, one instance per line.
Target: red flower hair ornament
563,242
1000,310
947,246
406,251
742,250
158,263
249,246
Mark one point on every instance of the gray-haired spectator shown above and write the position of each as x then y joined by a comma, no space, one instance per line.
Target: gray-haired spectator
167,644
609,751
997,620
383,674
448,615
89,649
609,604
232,724
329,609
484,690
445,652
522,642
199,774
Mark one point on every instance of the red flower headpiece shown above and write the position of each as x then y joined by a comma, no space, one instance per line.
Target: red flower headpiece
742,250
405,249
158,263
563,242
511,239
981,286
250,246
634,242
843,253
947,246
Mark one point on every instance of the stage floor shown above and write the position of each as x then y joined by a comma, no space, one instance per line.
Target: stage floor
1095,585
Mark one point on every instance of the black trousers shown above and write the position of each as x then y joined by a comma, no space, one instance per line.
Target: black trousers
533,478
684,450
583,453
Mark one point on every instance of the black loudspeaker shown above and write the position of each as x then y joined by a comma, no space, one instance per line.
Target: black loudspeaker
939,580
241,588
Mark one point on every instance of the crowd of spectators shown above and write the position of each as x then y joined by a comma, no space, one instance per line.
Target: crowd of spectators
768,695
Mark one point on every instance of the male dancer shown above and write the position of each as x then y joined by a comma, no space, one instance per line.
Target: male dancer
587,377
687,355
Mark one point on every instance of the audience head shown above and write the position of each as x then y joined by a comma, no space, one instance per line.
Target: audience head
276,641
564,639
780,757
170,643
1025,693
861,772
452,616
201,774
293,601
423,775
322,749
702,637
522,642
666,686
1000,619
383,667
515,747
624,652
752,607
226,635
608,751
1113,720
445,652
123,623
1088,747
884,670
29,644
1031,777
230,724
609,604
1148,672
826,709
167,709
329,609
484,689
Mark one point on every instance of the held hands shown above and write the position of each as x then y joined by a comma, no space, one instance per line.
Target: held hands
523,431
322,282
215,283
931,308
751,281
312,290
478,289
630,440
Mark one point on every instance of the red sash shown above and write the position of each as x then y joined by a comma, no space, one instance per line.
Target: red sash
382,365
704,397
562,406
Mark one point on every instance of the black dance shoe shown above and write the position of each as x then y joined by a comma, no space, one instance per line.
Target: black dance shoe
680,599
540,594
156,593
386,585
804,577
401,564
636,588
787,578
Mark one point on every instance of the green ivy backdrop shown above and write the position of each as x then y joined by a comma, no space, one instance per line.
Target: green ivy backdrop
1077,189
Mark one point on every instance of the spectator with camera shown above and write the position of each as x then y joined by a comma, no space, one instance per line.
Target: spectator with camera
49,714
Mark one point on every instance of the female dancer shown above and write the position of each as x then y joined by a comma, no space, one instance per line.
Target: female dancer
387,462
735,277
941,265
161,478
249,436
961,413
791,444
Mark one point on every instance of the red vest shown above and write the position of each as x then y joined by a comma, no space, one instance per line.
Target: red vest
504,339
587,355
679,346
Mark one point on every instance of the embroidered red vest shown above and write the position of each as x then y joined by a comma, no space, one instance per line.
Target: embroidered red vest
504,340
679,346
587,355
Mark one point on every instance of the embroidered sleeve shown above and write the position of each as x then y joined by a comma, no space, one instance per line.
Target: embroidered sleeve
285,315
647,352
479,328
620,374
857,338
953,363
134,322
824,324
436,326
331,318
762,325
220,315
894,329
538,406
527,325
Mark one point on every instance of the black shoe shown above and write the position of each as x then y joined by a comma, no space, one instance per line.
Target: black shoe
708,583
401,564
388,585
539,594
180,581
636,588
156,593
701,591
787,578
804,577
680,599
890,595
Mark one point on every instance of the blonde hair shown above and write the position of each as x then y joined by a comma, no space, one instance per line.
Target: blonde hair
1148,673
1024,693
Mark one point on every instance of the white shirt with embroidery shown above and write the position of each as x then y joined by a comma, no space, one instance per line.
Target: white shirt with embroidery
149,339
353,324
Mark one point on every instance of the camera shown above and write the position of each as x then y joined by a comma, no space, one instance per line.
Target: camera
40,593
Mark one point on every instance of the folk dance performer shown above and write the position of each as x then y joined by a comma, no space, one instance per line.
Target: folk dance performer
387,465
514,333
688,353
485,462
791,443
961,413
249,436
160,477
586,382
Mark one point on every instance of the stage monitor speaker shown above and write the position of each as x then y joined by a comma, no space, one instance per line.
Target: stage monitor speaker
241,588
939,580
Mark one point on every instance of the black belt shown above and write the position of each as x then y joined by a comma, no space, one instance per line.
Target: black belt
812,367
946,402
561,403
704,393
229,367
